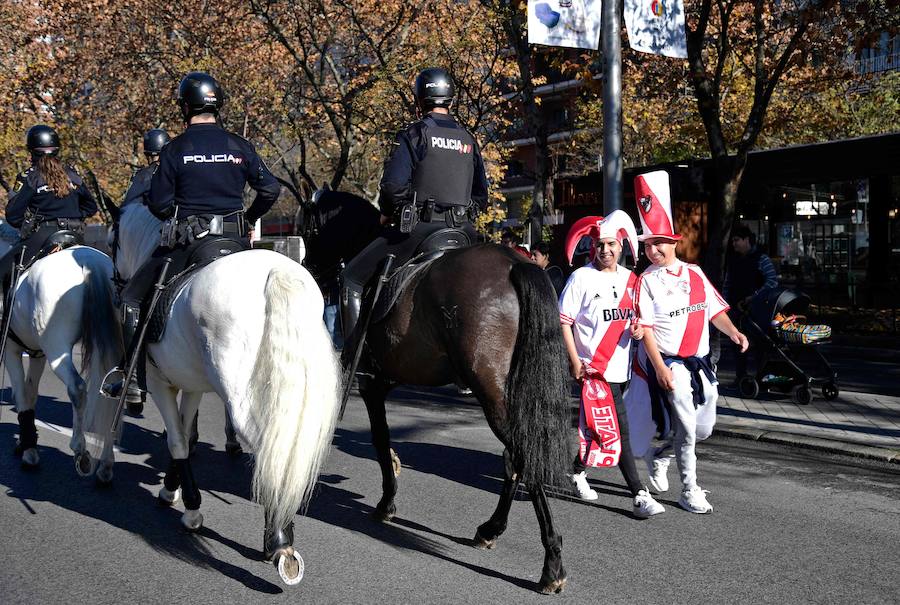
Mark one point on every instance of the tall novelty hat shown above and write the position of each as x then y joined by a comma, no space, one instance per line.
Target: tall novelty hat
617,225
654,202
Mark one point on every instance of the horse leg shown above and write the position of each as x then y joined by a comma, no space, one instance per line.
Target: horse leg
278,547
374,395
487,533
165,397
26,447
61,363
553,576
232,445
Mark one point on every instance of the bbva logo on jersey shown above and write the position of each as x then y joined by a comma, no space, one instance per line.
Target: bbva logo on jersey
218,158
451,144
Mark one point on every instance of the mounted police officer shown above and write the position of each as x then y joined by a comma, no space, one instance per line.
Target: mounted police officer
433,179
139,188
198,190
46,199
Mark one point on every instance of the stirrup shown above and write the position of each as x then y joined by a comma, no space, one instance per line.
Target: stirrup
113,390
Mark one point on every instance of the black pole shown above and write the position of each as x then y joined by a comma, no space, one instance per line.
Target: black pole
611,44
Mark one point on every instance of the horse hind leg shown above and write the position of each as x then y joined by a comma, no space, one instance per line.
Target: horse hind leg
374,395
176,435
553,576
26,445
488,532
62,365
278,547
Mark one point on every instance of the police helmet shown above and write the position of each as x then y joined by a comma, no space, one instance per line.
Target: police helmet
434,88
42,140
199,93
155,140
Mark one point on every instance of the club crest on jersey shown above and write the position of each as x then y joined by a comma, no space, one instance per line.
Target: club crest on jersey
646,203
451,144
217,158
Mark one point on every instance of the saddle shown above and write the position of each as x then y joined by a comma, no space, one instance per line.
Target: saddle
204,253
431,249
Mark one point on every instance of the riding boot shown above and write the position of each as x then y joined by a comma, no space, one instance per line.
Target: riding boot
131,324
351,305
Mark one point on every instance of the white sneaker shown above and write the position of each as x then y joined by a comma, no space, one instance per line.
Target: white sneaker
645,506
657,468
582,489
694,500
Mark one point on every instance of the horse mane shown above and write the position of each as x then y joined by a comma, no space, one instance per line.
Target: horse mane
139,233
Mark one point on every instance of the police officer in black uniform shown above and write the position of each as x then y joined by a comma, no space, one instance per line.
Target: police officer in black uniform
139,188
436,165
197,187
47,198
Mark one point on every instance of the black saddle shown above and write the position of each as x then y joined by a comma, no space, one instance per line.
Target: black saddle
431,249
58,241
203,254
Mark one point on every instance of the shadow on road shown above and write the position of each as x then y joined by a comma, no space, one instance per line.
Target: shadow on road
126,504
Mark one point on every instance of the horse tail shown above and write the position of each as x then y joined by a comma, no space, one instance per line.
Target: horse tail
101,349
537,385
293,395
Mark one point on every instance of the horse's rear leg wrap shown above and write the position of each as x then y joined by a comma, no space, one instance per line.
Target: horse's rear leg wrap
27,430
189,491
172,480
274,540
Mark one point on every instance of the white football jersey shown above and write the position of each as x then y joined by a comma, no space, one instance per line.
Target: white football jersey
677,302
600,306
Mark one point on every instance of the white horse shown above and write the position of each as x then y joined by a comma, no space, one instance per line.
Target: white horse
249,328
63,299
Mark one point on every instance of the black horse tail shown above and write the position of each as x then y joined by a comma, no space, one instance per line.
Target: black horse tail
537,386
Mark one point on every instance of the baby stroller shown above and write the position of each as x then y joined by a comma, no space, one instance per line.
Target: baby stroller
784,345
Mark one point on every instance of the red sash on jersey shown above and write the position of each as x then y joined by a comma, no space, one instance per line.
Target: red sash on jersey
696,321
599,438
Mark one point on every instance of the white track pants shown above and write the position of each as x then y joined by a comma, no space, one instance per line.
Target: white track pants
690,424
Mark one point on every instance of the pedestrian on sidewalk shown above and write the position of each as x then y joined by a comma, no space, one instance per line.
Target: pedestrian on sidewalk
674,388
596,312
540,254
748,272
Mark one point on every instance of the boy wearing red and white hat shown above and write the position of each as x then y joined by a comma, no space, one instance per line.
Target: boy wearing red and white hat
674,391
596,310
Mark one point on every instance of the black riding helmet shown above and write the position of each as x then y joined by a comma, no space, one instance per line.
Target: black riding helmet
42,140
434,88
155,140
199,93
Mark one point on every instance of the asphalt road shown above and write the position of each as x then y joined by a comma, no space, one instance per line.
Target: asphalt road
789,526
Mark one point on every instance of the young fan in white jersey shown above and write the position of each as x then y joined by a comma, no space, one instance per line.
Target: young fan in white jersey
674,390
596,312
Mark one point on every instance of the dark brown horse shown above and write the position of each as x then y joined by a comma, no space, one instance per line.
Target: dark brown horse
483,317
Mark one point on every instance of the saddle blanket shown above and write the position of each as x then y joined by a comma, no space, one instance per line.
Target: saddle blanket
599,437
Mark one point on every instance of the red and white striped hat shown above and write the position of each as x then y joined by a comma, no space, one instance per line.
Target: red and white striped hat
654,202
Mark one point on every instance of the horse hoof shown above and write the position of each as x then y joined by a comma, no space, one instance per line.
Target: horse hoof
482,543
233,449
84,464
167,498
290,566
395,463
30,458
384,515
553,586
104,475
192,520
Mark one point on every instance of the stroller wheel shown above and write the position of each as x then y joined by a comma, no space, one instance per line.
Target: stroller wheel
748,387
830,391
801,394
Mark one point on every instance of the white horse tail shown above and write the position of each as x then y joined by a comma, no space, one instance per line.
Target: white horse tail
101,349
293,396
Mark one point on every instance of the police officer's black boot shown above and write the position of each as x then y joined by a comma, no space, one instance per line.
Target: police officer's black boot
351,304
137,390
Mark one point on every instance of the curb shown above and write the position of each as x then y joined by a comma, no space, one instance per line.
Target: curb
870,452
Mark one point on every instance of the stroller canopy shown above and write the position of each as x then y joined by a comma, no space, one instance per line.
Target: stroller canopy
768,302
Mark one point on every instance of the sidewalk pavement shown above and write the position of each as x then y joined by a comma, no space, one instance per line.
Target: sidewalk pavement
858,424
